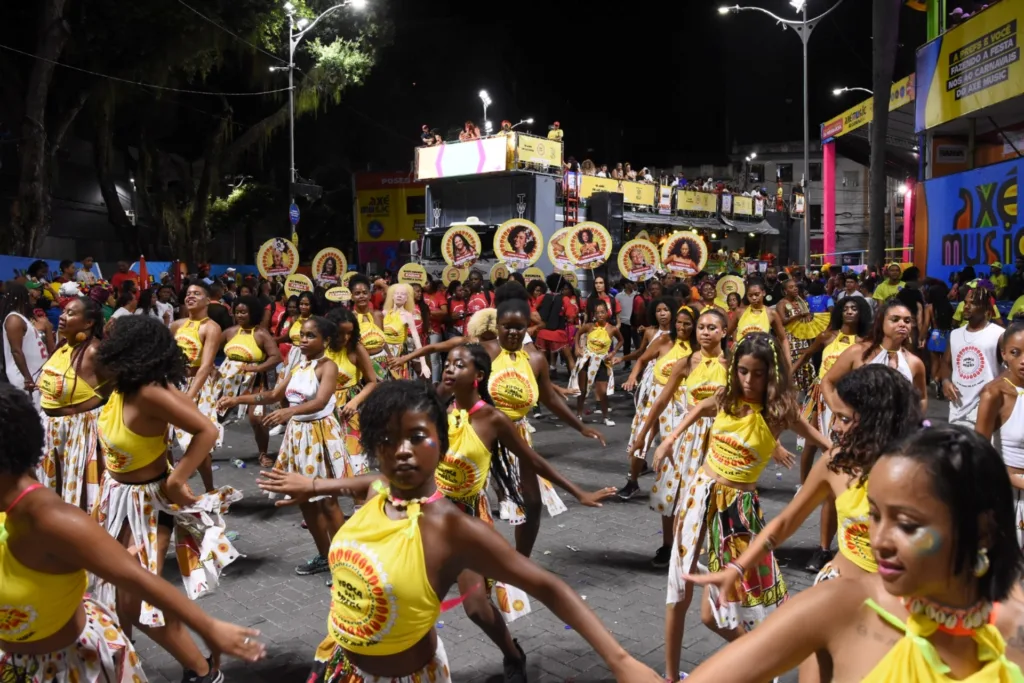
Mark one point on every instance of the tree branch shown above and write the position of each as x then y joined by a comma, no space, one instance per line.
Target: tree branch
62,124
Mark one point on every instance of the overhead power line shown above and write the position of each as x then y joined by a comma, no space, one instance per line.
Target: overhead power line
140,83
231,33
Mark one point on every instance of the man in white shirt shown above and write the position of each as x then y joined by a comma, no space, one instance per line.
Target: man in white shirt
85,276
850,287
625,299
971,360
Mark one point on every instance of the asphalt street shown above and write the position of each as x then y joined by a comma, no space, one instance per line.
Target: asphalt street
602,553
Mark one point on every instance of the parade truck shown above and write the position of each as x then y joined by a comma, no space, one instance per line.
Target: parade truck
483,183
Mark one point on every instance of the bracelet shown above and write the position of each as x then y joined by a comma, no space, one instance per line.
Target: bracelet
738,567
259,398
769,543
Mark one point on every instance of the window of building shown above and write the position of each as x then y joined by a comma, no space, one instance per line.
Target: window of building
815,172
851,179
757,173
784,172
814,217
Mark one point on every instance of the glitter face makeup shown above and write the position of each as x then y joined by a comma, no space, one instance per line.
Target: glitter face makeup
926,540
430,443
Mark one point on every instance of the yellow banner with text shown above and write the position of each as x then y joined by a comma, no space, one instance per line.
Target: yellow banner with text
691,200
632,193
534,150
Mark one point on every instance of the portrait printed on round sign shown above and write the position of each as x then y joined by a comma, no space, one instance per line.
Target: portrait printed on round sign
499,271
589,245
684,254
328,266
558,250
460,247
638,260
277,257
518,243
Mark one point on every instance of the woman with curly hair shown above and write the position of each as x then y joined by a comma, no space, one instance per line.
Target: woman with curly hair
250,352
198,337
72,391
406,430
58,633
875,406
722,509
313,444
142,498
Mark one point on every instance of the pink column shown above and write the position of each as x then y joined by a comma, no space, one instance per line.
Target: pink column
908,219
828,201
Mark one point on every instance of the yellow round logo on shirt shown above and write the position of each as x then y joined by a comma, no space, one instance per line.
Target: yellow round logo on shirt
732,452
511,391
856,537
362,605
456,475
15,620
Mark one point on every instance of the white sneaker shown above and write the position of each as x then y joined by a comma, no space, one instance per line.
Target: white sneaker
279,429
609,423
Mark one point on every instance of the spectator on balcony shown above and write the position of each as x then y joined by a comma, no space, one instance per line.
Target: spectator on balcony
628,173
428,137
617,173
603,171
645,175
470,131
588,167
555,133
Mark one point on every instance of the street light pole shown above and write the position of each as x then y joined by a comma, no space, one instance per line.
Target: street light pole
297,30
803,27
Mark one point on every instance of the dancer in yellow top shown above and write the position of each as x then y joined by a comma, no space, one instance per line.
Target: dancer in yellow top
198,337
721,505
356,379
142,498
422,543
756,317
71,391
593,358
370,323
251,352
942,533
50,630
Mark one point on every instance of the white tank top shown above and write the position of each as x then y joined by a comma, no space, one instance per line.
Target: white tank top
33,345
975,358
901,363
1011,434
303,386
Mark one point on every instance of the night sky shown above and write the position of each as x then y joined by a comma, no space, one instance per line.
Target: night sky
665,84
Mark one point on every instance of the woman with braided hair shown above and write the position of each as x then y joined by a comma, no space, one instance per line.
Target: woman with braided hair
722,508
72,392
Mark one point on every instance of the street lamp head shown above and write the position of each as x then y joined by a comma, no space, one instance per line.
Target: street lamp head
753,155
903,189
483,95
838,91
488,127
529,120
289,7
723,10
748,158
302,23
357,4
798,5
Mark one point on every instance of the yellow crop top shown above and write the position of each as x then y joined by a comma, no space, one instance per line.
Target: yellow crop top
752,321
34,605
463,472
382,602
394,327
914,658
663,366
295,331
190,341
59,385
853,512
348,373
740,446
243,347
371,335
704,379
599,341
835,349
124,450
513,385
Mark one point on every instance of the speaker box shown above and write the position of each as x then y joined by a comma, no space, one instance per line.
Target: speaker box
606,208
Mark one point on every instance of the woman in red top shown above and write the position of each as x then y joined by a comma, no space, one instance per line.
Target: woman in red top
478,298
555,336
457,310
281,324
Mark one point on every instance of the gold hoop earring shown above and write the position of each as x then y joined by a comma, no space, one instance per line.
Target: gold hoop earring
981,563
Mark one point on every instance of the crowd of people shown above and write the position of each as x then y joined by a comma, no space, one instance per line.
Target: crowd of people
407,404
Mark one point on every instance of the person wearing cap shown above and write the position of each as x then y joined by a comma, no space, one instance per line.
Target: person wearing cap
426,136
891,287
556,132
998,280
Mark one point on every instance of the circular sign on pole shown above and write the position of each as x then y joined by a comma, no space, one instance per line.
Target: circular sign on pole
413,274
461,246
277,256
297,284
571,278
533,274
452,274
348,276
684,253
499,271
558,250
328,266
338,294
293,213
518,243
729,284
638,260
642,235
590,245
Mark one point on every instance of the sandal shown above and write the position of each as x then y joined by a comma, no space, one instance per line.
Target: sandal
266,461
